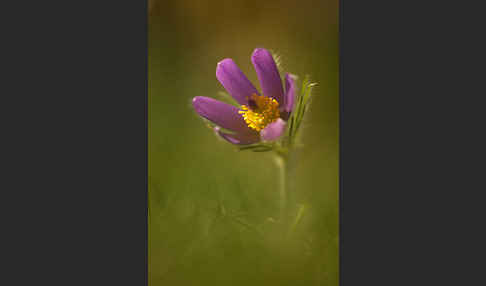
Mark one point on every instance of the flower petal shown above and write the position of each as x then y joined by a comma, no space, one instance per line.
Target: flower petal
268,75
239,138
273,131
290,90
220,113
234,81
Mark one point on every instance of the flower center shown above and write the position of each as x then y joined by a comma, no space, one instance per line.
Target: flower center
260,112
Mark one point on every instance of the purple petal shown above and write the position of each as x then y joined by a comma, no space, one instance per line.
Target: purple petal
234,81
268,75
220,113
290,90
239,138
273,130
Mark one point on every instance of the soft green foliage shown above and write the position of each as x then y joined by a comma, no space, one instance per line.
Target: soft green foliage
213,212
301,106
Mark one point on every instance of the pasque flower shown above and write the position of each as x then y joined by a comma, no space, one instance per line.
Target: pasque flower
260,116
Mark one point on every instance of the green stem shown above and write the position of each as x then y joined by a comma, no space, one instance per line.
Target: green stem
281,160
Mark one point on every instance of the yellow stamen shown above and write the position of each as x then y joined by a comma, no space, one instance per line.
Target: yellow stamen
264,112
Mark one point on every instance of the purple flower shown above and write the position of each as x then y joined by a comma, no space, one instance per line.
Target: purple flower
261,117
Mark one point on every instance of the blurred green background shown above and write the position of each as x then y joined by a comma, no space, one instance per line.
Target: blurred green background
210,206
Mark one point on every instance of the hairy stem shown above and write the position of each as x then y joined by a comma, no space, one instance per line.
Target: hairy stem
281,161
